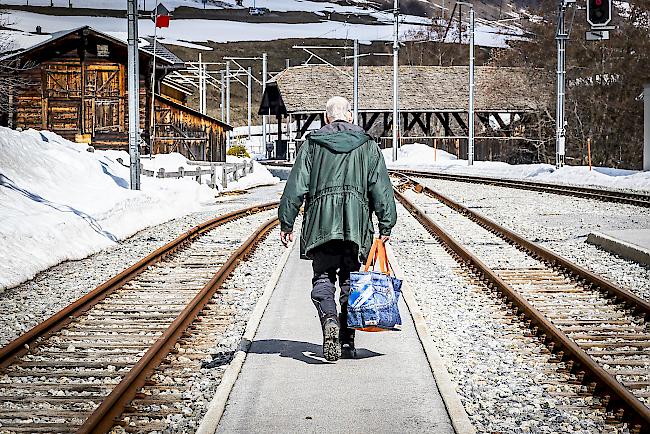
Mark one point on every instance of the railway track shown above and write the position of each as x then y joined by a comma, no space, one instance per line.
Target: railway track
597,332
79,370
584,192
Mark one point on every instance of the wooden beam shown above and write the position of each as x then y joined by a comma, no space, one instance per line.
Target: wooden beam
444,120
502,124
388,124
484,118
367,124
303,130
417,119
460,122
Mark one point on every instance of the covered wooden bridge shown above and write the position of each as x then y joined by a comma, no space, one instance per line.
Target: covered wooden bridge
433,103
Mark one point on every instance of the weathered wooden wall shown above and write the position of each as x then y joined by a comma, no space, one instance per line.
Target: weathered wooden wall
188,132
80,100
83,97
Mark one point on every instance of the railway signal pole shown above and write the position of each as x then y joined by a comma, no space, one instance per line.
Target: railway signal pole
561,38
134,91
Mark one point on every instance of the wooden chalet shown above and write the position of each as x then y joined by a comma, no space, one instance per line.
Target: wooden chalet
433,102
78,89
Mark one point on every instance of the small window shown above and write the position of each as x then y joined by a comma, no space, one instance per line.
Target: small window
102,50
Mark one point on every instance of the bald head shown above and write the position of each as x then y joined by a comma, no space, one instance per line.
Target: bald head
338,109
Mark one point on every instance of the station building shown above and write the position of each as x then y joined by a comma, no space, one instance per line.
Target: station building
75,85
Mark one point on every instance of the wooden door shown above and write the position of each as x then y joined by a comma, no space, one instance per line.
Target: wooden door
62,81
62,94
104,98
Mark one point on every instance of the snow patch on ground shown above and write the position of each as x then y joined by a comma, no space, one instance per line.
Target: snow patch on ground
418,156
60,202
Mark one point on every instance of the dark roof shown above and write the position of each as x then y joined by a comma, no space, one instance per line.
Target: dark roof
194,112
272,103
306,89
162,53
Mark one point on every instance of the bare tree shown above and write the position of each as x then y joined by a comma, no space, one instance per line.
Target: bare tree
11,77
604,83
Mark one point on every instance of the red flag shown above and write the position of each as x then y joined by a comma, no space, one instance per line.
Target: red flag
162,20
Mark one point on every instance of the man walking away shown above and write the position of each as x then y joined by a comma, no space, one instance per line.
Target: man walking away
340,174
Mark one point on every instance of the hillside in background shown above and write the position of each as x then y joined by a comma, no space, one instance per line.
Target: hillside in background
605,78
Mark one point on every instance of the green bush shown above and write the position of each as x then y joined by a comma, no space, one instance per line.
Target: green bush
238,151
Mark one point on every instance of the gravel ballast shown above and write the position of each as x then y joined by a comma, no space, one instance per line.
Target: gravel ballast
232,305
504,377
559,223
26,305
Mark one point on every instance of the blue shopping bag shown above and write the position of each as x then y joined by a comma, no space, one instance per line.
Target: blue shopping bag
372,304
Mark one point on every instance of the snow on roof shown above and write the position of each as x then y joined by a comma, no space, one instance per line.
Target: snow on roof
145,44
306,89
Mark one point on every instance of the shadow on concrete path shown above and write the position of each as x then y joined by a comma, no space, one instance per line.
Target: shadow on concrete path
305,352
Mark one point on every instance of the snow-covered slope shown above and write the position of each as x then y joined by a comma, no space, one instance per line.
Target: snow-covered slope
60,202
422,157
318,22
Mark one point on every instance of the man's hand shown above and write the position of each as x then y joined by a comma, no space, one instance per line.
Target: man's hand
384,238
286,238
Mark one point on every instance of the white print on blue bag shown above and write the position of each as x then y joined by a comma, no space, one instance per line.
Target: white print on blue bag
373,301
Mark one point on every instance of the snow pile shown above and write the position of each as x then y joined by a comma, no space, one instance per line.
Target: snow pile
418,156
60,202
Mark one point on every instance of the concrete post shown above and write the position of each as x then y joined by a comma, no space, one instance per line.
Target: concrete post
646,127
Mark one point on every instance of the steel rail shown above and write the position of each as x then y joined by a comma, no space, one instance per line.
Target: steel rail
637,199
639,414
105,416
56,322
639,304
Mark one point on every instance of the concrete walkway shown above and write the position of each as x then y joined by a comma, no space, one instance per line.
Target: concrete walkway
285,385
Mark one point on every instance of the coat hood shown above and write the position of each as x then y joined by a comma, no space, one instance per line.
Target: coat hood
339,136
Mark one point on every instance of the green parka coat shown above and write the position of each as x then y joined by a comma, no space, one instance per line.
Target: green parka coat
340,174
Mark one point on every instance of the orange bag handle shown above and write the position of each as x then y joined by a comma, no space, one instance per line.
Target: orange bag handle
378,254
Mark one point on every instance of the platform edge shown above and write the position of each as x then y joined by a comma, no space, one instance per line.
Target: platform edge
447,388
629,251
217,405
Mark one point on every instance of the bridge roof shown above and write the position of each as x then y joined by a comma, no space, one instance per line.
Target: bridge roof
306,89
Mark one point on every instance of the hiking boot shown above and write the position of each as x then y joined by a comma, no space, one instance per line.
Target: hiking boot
331,343
346,336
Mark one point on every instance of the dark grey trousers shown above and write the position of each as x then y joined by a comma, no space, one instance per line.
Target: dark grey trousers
333,259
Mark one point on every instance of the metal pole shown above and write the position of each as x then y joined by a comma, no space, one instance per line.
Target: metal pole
201,86
646,127
250,99
264,74
355,116
470,140
134,90
223,98
228,100
395,79
560,132
152,138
